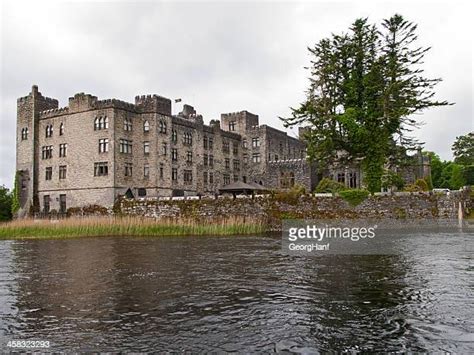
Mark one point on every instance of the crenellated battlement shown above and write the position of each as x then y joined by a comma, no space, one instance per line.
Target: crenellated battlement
153,104
54,112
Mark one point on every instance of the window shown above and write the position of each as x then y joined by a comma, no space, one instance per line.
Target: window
164,148
141,192
103,145
281,148
226,179
49,173
211,143
146,126
211,178
162,127
62,203
204,177
232,126
174,154
101,169
256,157
189,157
236,164
47,152
188,176
276,157
128,169
127,124
174,135
96,124
225,146
235,148
205,142
188,138
174,174
246,158
161,170
146,171
146,148
206,159
62,172
24,134
49,130
244,143
236,178
46,203
61,129
341,177
227,163
352,180
256,142
106,122
125,146
211,161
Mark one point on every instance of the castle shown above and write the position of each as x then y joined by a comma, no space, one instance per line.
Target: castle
93,151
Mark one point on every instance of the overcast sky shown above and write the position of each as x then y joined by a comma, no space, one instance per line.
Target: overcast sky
217,56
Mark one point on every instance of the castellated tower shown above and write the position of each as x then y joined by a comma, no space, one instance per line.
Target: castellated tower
27,155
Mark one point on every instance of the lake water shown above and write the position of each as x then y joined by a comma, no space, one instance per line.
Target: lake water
236,294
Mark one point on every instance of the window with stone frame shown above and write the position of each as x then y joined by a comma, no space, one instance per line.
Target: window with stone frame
211,143
48,173
162,127
206,159
204,177
146,126
47,152
187,138
61,129
125,146
128,169
146,171
211,161
189,157
62,172
174,154
146,148
101,169
256,158
161,170
225,146
235,148
188,176
255,142
341,177
226,179
227,163
174,174
211,178
164,148
236,164
103,145
232,126
127,124
49,130
174,135
287,179
205,142
244,143
24,134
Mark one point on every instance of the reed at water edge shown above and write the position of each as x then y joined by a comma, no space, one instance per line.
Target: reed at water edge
127,226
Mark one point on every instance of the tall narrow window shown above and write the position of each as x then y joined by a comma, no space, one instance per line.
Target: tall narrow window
96,124
256,142
164,148
162,127
174,135
106,122
49,130
146,126
146,171
128,169
62,150
46,203
161,170
61,129
146,148
174,174
24,134
103,145
62,172
62,204
174,154
48,173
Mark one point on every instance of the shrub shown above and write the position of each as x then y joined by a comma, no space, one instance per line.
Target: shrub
354,196
290,196
329,185
412,188
391,179
421,183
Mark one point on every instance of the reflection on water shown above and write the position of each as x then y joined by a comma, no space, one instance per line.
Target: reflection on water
236,294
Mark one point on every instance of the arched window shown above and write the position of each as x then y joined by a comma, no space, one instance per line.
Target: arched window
101,123
61,129
146,126
49,130
24,134
162,127
96,124
106,122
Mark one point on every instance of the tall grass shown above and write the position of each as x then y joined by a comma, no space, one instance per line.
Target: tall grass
127,226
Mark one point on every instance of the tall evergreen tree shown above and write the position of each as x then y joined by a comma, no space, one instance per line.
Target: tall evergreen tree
365,86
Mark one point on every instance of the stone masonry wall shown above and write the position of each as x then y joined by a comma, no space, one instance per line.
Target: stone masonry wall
400,207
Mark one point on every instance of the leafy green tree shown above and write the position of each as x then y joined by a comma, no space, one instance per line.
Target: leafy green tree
463,149
452,176
5,204
391,179
437,167
365,87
